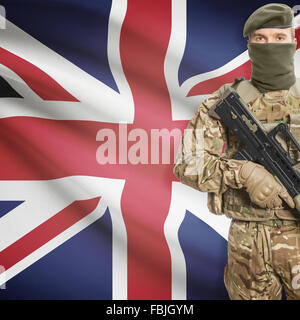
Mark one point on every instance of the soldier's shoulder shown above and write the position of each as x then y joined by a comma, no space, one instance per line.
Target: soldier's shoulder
213,98
223,88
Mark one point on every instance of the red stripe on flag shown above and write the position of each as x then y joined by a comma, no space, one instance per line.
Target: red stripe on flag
41,83
46,231
211,85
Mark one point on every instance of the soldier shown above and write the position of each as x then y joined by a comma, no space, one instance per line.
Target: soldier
264,235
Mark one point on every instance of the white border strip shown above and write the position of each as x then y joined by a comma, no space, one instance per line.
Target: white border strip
174,56
116,19
176,212
174,219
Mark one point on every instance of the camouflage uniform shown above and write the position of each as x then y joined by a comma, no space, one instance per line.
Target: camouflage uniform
261,256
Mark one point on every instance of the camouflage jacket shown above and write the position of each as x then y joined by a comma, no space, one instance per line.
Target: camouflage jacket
204,158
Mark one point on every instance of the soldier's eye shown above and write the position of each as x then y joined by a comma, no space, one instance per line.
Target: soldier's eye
280,38
259,38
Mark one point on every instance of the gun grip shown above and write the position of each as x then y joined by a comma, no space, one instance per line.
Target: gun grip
297,202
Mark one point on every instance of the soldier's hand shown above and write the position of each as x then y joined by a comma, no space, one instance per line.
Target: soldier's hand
264,190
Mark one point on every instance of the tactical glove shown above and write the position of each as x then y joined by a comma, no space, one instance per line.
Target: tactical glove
262,187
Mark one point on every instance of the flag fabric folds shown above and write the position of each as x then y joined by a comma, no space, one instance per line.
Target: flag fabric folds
94,98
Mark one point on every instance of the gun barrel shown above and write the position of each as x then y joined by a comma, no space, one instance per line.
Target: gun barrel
258,145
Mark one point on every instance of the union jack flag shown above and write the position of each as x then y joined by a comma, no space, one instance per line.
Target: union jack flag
74,228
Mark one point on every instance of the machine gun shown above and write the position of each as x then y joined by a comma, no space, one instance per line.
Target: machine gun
258,145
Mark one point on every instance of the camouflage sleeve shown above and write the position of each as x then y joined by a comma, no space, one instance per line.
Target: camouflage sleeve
201,162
